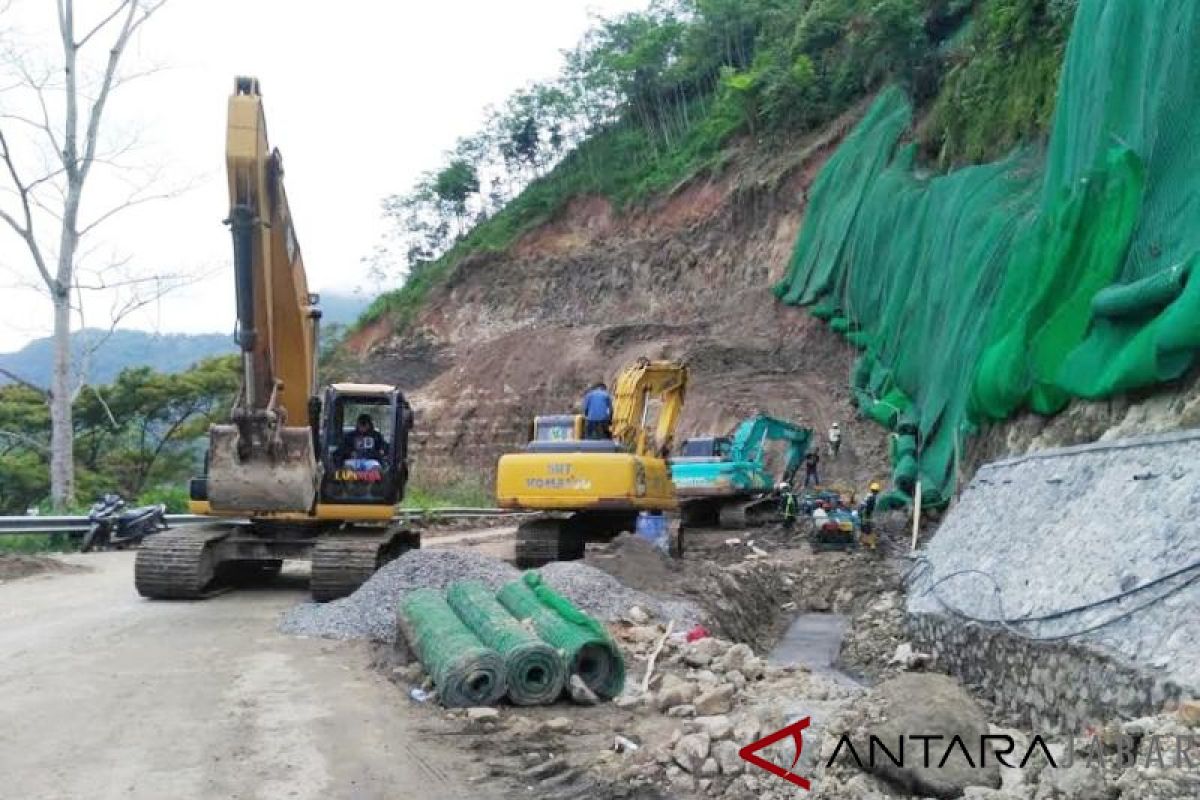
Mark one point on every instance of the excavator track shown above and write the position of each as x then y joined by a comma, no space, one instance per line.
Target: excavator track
342,563
542,541
178,565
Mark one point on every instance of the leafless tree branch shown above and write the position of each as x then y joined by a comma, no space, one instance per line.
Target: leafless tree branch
15,378
109,18
28,441
104,404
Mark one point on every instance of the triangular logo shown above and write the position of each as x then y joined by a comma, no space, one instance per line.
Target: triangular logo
796,731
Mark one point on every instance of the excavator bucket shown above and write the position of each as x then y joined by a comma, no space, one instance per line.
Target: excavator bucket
277,480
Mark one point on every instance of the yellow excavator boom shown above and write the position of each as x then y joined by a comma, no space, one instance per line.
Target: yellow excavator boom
636,386
264,461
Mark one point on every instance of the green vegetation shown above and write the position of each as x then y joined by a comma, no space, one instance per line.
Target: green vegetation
140,435
1002,84
651,98
38,543
1025,282
429,489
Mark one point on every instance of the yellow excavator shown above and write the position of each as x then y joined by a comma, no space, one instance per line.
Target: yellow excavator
591,490
297,472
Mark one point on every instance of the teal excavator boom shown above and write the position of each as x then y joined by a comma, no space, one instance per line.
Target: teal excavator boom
725,480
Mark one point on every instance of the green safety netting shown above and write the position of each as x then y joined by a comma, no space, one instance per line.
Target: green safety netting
465,672
534,671
585,645
1025,282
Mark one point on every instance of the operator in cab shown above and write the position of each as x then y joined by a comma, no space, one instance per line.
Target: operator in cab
597,413
364,447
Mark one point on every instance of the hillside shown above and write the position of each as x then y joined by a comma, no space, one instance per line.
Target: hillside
951,282
663,232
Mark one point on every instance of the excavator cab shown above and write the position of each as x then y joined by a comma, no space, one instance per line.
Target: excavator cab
365,445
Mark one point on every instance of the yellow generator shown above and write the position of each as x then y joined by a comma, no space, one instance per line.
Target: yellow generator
594,488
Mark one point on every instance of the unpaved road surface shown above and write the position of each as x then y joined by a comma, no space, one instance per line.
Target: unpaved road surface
106,695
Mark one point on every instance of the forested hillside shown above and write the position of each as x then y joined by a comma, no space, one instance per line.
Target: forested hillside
650,99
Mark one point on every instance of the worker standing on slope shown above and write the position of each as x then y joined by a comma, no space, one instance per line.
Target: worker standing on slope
866,514
597,413
812,463
835,439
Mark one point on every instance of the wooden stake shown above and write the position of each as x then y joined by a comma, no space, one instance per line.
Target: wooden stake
916,516
654,657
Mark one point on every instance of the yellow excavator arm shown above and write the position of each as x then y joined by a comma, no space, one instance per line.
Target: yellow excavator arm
264,460
636,386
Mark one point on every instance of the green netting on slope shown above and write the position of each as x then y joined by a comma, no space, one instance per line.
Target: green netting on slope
534,671
1031,280
585,645
465,672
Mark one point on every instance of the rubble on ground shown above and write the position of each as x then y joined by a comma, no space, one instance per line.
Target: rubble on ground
679,733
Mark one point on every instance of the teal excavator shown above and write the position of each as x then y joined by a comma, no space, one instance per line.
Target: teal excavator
724,480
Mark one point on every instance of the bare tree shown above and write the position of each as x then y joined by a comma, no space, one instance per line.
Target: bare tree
65,114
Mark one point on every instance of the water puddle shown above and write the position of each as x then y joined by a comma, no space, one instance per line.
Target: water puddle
813,641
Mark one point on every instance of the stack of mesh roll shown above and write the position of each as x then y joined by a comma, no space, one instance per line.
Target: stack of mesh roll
465,671
534,670
584,643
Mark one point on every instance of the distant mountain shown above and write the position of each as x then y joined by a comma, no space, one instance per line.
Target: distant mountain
165,352
342,309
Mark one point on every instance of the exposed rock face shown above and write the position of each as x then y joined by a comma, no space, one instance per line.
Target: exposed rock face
522,332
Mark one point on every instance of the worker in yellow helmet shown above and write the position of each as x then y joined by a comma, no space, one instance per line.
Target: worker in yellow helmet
866,513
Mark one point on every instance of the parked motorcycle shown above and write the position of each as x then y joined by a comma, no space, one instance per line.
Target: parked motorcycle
113,526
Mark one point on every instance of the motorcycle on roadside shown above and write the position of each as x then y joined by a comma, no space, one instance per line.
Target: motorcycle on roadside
112,526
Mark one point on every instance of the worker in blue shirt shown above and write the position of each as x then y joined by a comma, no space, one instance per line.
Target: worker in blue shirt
597,413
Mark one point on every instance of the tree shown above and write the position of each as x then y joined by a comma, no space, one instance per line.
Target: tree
454,185
144,429
49,195
141,429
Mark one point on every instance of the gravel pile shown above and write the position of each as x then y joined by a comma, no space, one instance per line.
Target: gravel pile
370,613
606,598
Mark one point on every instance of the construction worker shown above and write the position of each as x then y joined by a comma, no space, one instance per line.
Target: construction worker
835,439
363,447
597,412
866,514
812,463
784,490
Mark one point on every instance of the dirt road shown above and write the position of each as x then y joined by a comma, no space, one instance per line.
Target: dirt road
106,695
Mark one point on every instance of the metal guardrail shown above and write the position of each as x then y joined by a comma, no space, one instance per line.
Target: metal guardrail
11,526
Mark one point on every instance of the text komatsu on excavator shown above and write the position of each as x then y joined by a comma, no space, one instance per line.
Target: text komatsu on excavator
601,484
297,473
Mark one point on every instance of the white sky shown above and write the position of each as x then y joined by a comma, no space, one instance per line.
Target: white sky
361,97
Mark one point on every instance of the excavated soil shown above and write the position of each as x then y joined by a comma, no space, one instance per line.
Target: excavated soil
520,333
23,566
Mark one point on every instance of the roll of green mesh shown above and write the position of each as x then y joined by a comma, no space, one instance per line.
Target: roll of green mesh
465,672
534,670
585,645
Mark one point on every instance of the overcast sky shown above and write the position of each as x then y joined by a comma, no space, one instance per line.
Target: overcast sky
361,97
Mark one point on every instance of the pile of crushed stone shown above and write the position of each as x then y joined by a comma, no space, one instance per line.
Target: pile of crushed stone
603,596
370,613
